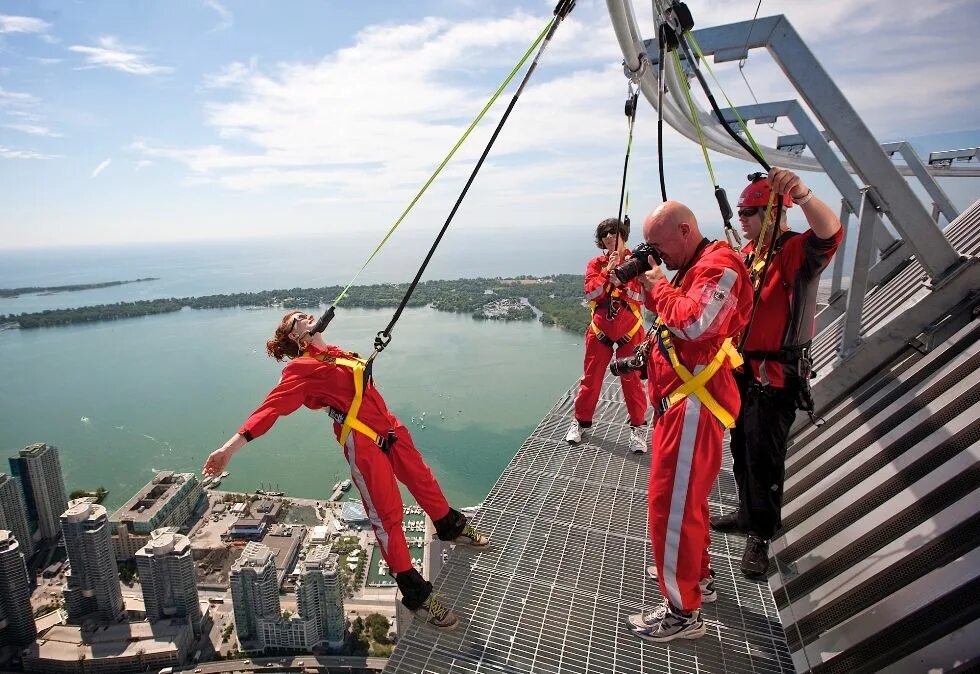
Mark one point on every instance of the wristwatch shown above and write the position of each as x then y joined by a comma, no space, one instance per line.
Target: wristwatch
804,199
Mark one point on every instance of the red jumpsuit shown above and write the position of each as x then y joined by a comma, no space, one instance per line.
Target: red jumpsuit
712,302
318,385
600,294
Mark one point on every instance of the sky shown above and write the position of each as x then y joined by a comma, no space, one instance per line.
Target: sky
213,119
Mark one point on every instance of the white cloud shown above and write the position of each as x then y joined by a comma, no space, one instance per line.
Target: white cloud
33,129
143,163
17,99
11,153
110,53
100,168
225,18
22,24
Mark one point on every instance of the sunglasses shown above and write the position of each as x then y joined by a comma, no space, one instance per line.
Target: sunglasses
611,232
292,324
748,212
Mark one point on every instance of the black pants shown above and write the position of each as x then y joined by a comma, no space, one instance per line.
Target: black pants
416,589
759,454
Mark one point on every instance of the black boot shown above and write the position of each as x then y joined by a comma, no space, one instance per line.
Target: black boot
450,526
755,559
726,524
415,589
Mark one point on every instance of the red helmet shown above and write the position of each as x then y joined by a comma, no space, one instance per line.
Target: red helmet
757,193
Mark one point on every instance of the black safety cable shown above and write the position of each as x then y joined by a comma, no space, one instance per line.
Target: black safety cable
383,337
661,87
630,109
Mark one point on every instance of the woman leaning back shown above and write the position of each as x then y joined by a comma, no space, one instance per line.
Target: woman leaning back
377,446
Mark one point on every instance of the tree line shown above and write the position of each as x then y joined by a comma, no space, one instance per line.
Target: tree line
558,298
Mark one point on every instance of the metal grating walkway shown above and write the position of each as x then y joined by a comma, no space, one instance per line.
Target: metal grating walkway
570,549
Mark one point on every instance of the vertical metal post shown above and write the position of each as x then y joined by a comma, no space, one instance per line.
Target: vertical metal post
935,212
845,216
851,335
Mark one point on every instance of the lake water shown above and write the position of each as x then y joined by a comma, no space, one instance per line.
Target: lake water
122,398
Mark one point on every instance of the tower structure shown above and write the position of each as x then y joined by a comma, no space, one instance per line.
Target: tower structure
38,469
93,580
166,568
16,618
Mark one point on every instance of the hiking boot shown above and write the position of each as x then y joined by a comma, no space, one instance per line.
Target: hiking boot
574,435
644,620
755,559
674,625
708,592
638,439
726,524
472,538
436,614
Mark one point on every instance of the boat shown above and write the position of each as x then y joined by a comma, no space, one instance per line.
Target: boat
224,474
345,485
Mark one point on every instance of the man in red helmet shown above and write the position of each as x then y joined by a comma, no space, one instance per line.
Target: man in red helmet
774,381
617,325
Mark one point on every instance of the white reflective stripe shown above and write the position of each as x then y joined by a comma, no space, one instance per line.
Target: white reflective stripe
678,497
636,297
595,293
719,298
372,513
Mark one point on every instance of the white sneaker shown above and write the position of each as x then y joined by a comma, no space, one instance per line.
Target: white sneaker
675,626
708,592
647,619
574,435
638,439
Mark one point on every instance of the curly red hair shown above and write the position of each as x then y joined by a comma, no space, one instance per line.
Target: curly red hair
282,346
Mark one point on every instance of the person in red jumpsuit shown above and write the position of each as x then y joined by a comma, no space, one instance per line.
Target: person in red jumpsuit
617,325
690,363
377,446
774,381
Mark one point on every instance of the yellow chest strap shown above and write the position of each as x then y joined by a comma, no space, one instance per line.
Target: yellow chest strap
694,384
350,421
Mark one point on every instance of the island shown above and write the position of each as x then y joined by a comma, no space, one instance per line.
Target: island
555,300
50,290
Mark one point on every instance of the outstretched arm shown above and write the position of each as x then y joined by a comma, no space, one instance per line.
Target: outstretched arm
822,220
219,458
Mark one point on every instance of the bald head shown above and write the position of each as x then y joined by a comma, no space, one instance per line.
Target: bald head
672,228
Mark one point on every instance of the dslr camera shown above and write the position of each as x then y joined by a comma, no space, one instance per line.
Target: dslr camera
635,363
636,265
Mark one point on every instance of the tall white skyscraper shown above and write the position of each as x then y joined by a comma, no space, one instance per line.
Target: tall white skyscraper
39,470
93,580
254,590
166,569
16,617
13,514
319,596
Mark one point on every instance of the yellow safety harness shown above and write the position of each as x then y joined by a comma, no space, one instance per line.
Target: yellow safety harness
349,421
695,384
615,295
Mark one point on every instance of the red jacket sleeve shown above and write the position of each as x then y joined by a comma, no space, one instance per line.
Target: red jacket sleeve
596,277
703,311
285,398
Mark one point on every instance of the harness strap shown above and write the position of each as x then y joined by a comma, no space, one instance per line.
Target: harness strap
349,421
694,384
625,339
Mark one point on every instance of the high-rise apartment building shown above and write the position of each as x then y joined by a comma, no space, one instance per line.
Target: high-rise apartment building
319,596
166,500
166,568
254,590
13,514
93,580
38,469
16,617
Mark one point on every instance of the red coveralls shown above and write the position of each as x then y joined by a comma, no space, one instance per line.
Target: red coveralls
712,303
318,385
600,293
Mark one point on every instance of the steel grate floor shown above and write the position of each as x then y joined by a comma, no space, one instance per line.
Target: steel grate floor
568,529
